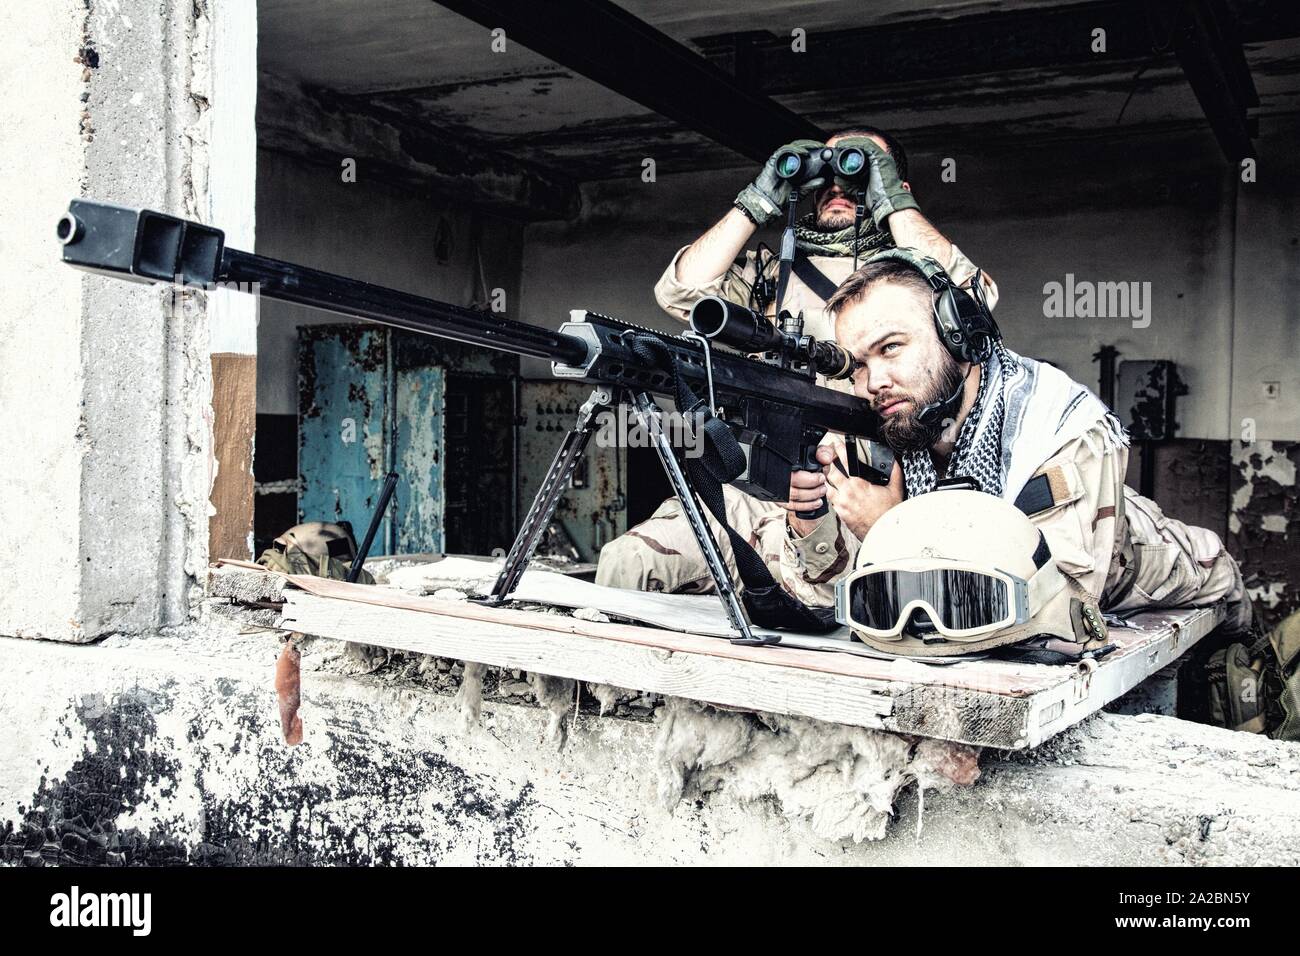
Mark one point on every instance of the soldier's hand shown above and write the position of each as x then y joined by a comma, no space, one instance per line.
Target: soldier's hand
807,489
763,199
885,191
858,502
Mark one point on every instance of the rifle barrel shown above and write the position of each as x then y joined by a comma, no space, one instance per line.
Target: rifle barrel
351,297
148,246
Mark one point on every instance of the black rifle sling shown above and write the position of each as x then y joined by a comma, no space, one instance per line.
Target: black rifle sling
818,282
782,282
722,461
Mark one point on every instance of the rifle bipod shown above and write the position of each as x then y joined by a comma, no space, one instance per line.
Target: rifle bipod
650,419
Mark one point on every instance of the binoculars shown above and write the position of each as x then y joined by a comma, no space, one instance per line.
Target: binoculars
847,162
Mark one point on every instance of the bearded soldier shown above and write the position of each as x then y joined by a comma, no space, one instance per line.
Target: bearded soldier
660,554
961,409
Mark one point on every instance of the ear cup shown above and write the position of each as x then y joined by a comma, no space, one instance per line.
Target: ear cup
965,329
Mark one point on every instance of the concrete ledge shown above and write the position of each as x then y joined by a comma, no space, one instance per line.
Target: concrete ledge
168,748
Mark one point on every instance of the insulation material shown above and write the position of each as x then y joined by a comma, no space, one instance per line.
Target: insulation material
609,696
469,696
555,694
839,781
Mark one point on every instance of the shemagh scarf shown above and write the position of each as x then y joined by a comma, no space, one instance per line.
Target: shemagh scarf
1024,413
812,241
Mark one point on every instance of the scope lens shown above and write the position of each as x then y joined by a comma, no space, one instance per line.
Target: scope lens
787,165
850,161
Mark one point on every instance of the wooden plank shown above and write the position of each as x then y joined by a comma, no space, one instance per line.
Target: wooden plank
719,680
994,676
234,411
983,703
1161,637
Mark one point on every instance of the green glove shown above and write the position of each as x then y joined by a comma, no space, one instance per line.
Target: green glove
885,194
764,198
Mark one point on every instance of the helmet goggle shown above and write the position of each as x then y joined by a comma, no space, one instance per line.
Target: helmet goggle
957,599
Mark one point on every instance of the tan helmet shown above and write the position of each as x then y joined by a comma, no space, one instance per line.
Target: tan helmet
971,531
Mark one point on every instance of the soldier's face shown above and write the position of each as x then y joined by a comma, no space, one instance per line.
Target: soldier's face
836,208
902,366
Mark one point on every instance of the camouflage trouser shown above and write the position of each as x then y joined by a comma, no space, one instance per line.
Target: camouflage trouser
660,554
1167,563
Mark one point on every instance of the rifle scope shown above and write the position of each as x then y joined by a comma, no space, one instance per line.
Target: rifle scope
746,330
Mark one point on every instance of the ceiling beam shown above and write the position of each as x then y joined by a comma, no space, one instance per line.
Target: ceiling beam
1205,40
605,43
937,48
319,126
1203,36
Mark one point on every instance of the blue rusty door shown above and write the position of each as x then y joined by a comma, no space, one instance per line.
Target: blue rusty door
419,397
359,418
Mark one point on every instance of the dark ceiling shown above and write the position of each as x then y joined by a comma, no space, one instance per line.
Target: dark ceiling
932,72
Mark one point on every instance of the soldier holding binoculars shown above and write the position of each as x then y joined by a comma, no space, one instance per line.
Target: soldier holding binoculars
862,166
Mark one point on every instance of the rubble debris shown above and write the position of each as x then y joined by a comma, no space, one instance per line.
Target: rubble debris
365,658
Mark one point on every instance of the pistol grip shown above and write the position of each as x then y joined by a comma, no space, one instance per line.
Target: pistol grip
810,463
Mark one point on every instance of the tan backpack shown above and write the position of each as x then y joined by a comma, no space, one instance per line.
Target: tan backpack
317,548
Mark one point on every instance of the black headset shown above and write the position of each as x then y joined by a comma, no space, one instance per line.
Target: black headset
962,318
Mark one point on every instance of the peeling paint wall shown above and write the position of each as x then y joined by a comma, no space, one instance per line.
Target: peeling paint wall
1264,525
344,425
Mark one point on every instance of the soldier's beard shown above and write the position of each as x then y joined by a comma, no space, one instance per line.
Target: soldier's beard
903,430
834,221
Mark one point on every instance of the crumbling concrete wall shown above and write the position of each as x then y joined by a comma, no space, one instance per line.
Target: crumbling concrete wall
105,385
169,749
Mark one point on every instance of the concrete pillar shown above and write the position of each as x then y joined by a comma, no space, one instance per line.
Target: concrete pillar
105,386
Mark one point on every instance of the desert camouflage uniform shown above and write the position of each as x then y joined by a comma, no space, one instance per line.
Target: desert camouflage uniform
1115,544
660,553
